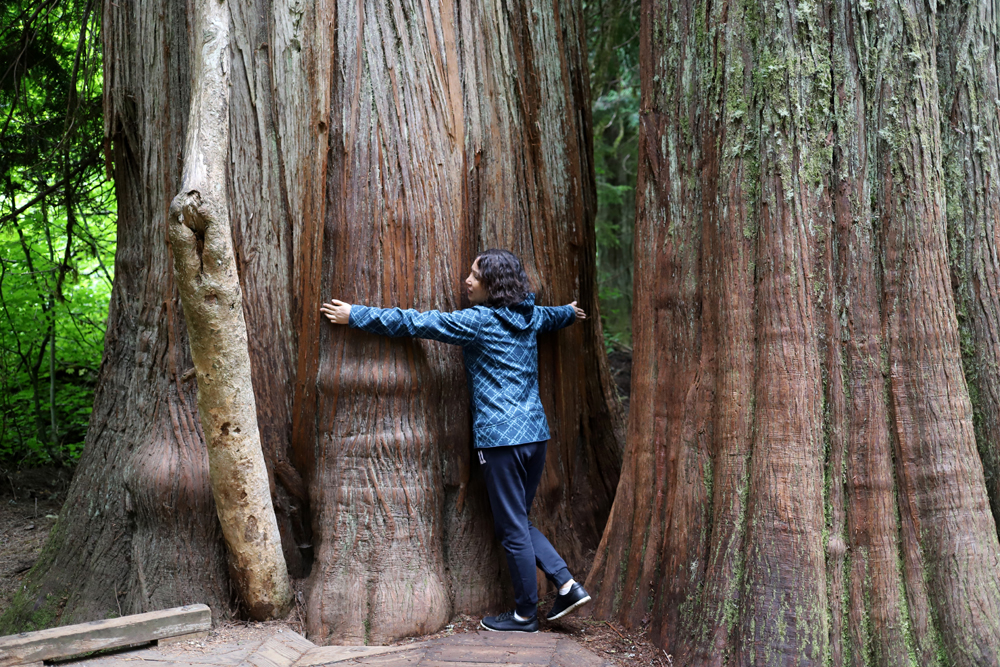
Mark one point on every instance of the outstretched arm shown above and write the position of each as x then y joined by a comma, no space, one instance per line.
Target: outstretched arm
458,328
557,317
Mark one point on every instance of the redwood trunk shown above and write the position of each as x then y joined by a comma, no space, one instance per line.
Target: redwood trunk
801,482
455,148
968,73
374,149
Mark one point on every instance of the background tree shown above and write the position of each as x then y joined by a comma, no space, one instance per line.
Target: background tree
801,481
613,44
374,149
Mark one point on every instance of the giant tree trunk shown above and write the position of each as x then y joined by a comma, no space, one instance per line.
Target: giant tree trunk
451,149
374,148
801,482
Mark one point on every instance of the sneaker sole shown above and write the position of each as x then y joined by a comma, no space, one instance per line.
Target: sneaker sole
573,607
486,627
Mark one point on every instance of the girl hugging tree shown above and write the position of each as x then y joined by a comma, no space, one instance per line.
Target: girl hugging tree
498,338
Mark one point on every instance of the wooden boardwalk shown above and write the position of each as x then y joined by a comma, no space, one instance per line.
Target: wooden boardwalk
288,649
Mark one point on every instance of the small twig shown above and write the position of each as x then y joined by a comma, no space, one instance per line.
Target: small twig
616,631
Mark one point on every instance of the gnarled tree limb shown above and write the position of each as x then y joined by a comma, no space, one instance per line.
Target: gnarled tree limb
205,267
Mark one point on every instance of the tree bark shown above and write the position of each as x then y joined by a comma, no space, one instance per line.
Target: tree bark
374,148
437,154
205,266
800,462
967,71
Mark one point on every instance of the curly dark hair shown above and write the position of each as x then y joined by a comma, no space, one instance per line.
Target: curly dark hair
504,278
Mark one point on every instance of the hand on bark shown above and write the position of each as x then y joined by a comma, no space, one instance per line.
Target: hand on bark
337,312
580,315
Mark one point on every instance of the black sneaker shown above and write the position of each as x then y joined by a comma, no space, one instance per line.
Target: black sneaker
506,622
574,598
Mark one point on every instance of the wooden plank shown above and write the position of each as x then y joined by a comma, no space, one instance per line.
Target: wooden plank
325,655
497,655
282,649
411,658
570,654
70,640
439,663
486,638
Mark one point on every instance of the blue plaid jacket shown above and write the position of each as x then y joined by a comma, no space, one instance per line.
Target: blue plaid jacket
501,360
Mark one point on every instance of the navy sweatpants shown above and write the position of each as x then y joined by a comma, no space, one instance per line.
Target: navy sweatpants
512,475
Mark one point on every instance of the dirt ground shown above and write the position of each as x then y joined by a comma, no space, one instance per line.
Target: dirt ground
29,504
620,361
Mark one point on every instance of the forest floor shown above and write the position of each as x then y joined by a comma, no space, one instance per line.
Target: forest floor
30,501
620,361
29,505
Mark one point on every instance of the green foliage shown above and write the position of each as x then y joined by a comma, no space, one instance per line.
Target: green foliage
613,44
57,228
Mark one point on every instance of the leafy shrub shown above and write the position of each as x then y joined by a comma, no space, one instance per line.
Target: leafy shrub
57,228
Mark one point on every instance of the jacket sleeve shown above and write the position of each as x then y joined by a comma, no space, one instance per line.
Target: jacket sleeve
551,318
458,328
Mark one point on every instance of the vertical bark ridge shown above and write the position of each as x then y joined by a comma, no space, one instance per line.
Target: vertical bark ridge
875,625
258,209
967,73
279,126
785,597
940,474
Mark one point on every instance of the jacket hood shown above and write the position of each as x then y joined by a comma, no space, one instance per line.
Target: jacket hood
519,316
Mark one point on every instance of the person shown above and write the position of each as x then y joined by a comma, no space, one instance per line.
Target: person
498,338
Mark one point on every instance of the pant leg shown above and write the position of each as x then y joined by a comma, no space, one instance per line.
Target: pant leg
505,475
547,558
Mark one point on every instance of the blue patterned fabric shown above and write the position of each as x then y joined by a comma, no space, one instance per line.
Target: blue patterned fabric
501,360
